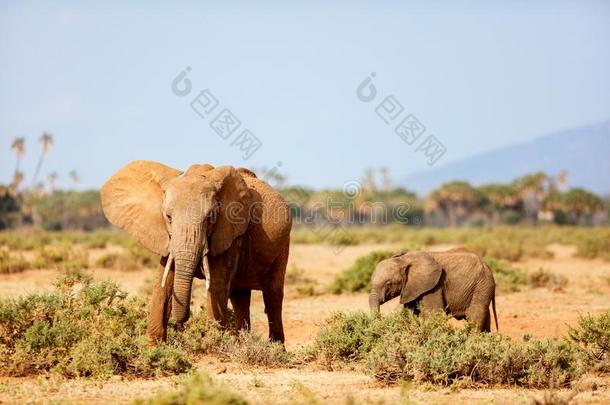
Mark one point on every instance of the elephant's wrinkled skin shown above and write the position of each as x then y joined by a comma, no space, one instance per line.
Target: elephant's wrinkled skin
457,282
222,224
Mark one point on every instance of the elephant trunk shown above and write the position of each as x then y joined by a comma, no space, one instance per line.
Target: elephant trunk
183,282
186,248
374,301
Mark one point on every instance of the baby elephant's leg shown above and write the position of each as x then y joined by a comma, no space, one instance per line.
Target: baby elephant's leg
413,306
479,315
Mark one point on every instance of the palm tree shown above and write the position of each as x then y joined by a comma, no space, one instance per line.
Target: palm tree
39,189
46,141
52,179
455,200
386,184
498,198
368,181
17,180
558,182
532,191
18,147
73,176
578,205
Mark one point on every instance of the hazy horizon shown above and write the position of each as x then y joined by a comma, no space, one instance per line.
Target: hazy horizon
478,76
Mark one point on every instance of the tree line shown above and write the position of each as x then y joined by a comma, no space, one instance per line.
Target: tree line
531,199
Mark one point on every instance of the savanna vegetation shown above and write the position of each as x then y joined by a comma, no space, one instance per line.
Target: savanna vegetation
59,332
502,242
402,346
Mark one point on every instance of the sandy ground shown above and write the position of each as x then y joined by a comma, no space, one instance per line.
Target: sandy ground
540,312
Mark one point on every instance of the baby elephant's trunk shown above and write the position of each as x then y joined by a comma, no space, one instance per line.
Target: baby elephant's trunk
374,301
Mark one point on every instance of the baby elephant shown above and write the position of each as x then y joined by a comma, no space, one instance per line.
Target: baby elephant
457,282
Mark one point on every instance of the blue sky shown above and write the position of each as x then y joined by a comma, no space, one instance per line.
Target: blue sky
478,75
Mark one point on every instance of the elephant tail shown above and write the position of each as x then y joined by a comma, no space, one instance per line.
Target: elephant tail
493,307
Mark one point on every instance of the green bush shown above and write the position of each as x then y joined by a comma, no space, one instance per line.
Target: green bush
508,278
203,336
358,277
82,328
198,389
348,337
86,328
402,346
593,336
251,349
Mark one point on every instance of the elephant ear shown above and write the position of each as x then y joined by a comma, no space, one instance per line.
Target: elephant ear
232,215
132,200
422,275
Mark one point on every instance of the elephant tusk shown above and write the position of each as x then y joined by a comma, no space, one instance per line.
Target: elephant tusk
166,271
206,271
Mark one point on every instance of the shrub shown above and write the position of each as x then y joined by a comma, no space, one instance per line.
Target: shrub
117,261
358,277
546,278
86,328
81,329
430,350
202,336
61,256
298,280
25,239
296,275
507,277
553,397
510,249
593,336
11,264
198,389
251,349
347,337
594,245
142,256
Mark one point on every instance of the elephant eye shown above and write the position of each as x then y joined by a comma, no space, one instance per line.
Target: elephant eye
169,217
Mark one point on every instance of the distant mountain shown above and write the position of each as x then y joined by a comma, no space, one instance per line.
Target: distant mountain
583,152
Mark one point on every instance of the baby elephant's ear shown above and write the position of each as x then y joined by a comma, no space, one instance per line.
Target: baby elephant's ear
422,275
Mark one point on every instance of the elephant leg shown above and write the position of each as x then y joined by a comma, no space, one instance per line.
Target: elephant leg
240,299
273,296
479,315
218,299
273,307
222,270
160,307
413,306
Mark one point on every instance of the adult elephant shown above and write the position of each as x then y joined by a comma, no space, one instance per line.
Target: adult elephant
222,224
